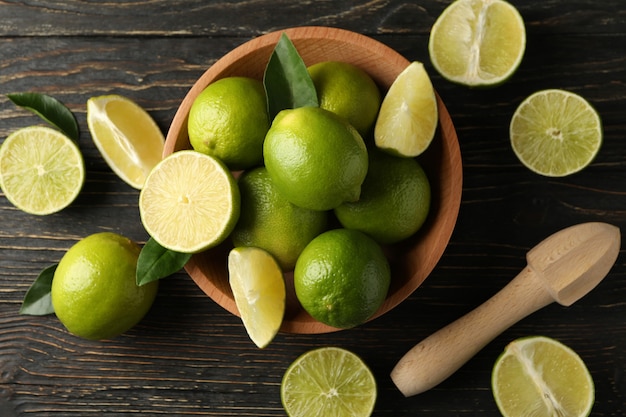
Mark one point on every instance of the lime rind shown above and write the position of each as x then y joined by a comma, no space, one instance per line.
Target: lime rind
556,133
42,171
478,43
328,381
541,374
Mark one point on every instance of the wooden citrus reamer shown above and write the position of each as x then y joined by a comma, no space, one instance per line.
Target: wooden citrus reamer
562,268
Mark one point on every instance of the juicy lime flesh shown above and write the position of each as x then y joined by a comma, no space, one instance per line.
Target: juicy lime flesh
328,381
41,170
127,137
269,221
478,42
259,291
229,120
347,91
94,291
408,116
395,199
540,376
190,202
555,133
342,277
316,159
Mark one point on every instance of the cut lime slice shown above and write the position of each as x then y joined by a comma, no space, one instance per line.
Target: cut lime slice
477,42
407,119
540,376
41,170
127,137
190,202
328,381
555,133
259,291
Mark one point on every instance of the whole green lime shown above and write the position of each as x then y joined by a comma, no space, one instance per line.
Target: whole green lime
229,120
348,91
94,291
342,277
395,199
316,159
268,221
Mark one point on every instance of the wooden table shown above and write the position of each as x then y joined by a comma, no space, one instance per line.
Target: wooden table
189,356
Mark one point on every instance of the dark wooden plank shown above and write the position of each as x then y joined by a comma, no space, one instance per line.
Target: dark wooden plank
190,357
246,18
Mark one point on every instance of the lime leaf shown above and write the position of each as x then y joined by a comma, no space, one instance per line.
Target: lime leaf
37,301
50,109
287,81
156,262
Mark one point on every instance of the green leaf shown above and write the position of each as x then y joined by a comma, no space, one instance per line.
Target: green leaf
287,82
156,262
37,301
49,109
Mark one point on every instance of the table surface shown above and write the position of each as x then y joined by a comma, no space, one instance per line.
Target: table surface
189,356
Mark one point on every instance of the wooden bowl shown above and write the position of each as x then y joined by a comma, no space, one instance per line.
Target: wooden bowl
411,261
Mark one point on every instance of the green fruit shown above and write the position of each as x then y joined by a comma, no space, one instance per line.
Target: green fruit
268,221
395,199
347,91
229,120
94,291
316,159
342,278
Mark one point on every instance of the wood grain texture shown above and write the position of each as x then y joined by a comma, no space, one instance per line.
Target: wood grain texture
191,357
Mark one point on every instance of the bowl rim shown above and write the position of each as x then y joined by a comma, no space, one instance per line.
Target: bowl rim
451,190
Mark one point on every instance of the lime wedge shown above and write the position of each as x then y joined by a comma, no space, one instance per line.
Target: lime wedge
259,291
328,381
555,133
41,170
127,137
540,376
477,42
407,119
189,202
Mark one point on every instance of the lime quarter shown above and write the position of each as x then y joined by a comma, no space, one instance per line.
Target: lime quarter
407,120
259,291
127,137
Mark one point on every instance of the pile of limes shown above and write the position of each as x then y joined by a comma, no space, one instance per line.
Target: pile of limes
320,189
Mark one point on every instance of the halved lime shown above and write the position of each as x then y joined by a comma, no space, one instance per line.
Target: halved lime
555,133
477,42
126,135
540,376
407,119
190,202
328,381
259,291
41,170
